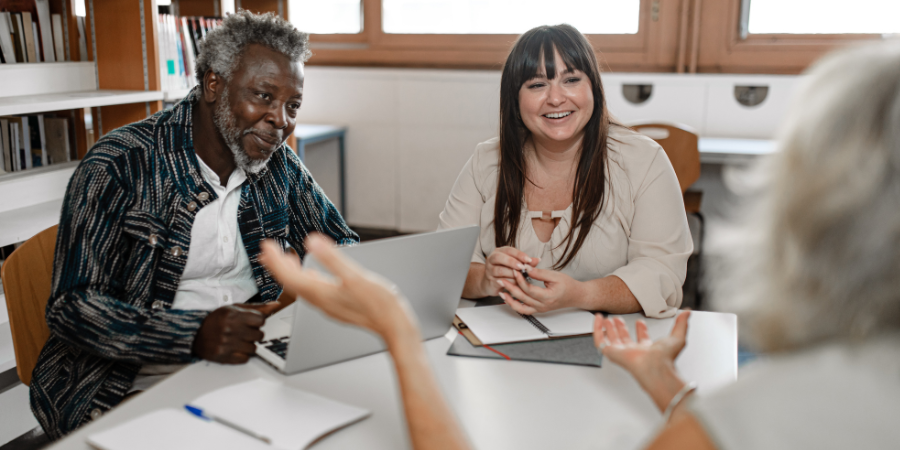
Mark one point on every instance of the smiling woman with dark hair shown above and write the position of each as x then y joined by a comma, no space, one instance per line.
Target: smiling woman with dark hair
578,201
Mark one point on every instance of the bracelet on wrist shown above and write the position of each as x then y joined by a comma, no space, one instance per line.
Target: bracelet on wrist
687,389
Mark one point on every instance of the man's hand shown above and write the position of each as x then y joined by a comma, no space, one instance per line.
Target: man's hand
228,334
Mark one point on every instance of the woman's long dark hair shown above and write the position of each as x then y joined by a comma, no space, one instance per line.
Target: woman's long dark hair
522,65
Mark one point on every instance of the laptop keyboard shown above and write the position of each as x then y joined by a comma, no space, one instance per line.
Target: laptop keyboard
278,346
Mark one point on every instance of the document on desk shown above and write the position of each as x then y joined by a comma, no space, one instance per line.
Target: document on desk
173,429
499,324
279,416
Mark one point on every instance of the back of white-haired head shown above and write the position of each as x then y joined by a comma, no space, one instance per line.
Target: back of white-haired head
220,51
826,260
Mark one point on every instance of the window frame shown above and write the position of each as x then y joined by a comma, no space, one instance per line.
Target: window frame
724,50
647,50
655,47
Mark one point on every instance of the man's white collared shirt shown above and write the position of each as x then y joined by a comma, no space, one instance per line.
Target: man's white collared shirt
218,271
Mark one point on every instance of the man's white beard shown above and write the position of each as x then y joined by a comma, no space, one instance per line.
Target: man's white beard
227,126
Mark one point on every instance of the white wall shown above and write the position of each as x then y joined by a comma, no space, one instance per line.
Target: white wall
411,130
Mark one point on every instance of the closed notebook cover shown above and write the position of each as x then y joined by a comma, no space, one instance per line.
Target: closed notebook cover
291,418
173,429
578,351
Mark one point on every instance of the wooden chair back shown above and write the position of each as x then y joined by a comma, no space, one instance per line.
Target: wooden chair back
27,277
680,145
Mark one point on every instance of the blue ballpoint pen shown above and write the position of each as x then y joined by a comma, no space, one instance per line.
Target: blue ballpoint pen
206,416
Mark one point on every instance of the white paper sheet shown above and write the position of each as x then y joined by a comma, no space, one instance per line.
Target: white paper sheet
173,429
291,418
500,324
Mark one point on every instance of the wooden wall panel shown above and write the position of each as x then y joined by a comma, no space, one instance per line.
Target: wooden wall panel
264,6
120,58
196,8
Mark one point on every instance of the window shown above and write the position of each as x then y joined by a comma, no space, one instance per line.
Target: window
508,16
630,35
326,17
824,17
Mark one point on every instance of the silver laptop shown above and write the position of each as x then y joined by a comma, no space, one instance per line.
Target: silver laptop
429,269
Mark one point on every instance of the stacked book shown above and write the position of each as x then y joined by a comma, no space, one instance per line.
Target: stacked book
179,39
36,140
30,34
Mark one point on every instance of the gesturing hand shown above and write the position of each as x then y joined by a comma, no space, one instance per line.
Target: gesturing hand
641,357
502,264
229,333
357,296
525,298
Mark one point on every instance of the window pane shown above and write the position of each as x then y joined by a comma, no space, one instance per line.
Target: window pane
824,16
508,16
326,16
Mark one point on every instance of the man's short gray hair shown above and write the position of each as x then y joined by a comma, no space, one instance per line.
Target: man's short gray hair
826,265
223,45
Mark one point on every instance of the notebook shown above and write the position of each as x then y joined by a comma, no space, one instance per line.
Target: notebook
288,418
500,324
173,429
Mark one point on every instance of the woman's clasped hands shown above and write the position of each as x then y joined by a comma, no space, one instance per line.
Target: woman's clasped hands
559,291
502,264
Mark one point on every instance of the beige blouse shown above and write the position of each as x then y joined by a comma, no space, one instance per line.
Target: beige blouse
641,235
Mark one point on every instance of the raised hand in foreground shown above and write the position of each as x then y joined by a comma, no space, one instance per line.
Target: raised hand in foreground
361,298
651,363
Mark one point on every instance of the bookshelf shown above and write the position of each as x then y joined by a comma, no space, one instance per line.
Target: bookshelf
119,82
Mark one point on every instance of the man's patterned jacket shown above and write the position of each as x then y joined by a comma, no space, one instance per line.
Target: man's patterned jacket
124,238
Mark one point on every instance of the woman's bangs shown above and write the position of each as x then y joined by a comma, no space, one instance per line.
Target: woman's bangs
547,42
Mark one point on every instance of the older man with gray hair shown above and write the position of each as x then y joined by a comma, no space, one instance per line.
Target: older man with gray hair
157,257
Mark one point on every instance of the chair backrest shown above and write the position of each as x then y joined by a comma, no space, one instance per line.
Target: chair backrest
680,145
27,277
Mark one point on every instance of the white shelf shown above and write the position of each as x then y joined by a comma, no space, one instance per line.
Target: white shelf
23,79
175,95
19,225
28,104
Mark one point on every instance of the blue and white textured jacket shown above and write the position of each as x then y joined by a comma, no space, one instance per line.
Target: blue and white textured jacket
124,238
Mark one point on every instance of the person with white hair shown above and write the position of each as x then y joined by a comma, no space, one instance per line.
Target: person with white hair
159,233
817,289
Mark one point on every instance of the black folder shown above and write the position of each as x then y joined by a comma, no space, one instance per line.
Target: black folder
579,351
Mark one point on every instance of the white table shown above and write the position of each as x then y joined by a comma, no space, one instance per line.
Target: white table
730,150
501,404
